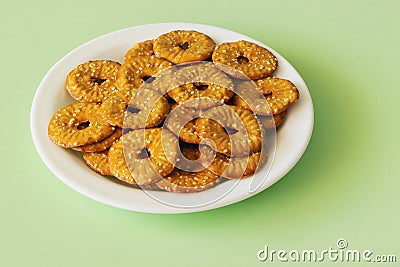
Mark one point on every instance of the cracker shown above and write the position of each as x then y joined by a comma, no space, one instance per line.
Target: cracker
139,70
253,60
92,81
182,46
97,161
78,124
146,109
182,122
280,93
151,154
269,122
117,163
200,85
101,145
232,135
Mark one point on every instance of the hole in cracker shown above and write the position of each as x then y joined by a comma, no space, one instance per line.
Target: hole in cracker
97,80
230,131
126,130
144,153
200,86
242,59
132,110
83,125
184,46
148,79
267,96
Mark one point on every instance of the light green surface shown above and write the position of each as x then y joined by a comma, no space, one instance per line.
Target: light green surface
346,184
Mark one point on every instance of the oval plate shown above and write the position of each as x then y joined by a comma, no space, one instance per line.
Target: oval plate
292,137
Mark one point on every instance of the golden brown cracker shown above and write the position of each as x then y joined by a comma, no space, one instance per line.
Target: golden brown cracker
97,161
101,145
93,81
243,129
182,46
253,60
78,124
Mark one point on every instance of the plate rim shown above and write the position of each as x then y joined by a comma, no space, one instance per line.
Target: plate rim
163,209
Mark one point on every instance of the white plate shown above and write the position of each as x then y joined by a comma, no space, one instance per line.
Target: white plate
292,137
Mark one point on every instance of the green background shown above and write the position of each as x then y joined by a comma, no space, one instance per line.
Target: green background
346,185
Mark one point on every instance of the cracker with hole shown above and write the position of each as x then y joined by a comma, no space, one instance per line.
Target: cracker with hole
139,70
232,130
233,167
254,61
182,46
78,124
200,85
93,81
146,109
279,93
150,154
